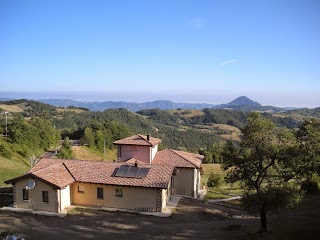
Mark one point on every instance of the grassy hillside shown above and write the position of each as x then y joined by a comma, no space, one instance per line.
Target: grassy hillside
76,110
11,168
85,153
225,189
11,108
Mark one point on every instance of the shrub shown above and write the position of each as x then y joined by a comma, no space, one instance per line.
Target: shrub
310,186
5,151
214,180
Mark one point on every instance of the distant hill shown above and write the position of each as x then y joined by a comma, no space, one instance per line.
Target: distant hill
301,114
132,106
245,104
240,101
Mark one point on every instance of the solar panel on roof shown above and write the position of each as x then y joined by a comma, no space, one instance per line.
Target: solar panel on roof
132,172
122,171
143,172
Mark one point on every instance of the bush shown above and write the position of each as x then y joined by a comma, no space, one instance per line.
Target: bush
310,186
214,180
24,150
5,151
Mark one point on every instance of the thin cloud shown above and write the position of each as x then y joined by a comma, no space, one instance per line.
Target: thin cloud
229,62
199,23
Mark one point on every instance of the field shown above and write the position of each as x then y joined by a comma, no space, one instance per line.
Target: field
224,131
11,108
11,168
226,190
188,113
85,153
76,110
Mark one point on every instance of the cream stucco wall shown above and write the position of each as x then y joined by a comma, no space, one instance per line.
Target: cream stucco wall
35,196
154,151
136,198
166,195
196,183
142,153
65,198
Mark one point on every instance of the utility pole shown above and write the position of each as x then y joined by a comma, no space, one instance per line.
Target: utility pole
104,149
6,113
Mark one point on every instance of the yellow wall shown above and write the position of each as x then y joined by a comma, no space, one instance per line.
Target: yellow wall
133,197
35,196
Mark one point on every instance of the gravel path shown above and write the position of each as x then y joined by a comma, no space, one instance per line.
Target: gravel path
189,221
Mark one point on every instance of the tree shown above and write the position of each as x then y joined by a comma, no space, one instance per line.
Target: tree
88,137
260,162
214,180
308,137
66,150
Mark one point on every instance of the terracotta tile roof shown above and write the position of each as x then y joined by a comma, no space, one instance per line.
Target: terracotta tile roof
178,158
134,160
51,171
56,174
138,139
61,173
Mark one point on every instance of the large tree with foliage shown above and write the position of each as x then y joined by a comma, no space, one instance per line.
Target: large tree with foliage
31,136
97,135
308,137
261,163
66,150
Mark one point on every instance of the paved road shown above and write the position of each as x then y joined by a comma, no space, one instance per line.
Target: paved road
48,154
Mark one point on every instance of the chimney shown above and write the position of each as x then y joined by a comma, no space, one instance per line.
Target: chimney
148,137
136,163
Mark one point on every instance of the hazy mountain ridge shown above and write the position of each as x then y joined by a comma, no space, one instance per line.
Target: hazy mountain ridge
242,103
132,106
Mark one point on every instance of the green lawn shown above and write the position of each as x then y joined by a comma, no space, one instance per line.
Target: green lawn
225,189
85,153
11,168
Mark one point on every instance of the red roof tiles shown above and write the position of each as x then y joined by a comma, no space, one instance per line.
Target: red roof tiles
177,158
61,173
138,139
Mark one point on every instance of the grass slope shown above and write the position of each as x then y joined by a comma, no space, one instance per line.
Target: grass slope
85,153
11,108
225,189
11,168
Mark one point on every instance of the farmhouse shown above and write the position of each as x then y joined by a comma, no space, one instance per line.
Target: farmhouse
142,179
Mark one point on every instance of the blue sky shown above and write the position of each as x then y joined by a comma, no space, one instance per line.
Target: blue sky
139,50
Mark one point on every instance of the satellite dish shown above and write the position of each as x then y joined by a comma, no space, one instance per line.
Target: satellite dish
31,184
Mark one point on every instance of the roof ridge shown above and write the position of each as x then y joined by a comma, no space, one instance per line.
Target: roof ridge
69,171
174,151
140,135
43,168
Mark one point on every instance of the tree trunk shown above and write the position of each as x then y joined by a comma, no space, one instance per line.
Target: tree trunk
263,219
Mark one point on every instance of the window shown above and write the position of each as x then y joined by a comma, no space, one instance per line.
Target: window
100,193
25,194
80,189
45,196
118,192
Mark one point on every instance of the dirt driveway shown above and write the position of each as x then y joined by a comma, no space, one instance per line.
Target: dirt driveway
188,222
